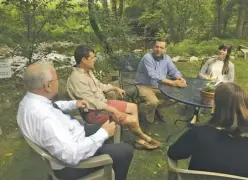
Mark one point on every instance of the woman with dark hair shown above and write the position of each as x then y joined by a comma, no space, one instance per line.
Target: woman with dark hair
221,146
219,68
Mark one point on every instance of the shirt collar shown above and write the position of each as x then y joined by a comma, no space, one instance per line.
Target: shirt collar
157,58
38,97
80,70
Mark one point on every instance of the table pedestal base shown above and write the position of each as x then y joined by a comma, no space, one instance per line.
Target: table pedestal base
193,119
190,121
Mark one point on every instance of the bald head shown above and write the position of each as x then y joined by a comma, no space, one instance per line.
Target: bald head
37,74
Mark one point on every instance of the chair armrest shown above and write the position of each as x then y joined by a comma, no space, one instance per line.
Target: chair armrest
172,169
117,135
172,164
95,161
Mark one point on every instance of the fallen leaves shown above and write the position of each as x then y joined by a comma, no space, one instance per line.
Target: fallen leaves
5,159
8,154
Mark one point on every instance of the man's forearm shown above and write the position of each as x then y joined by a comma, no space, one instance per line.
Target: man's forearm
110,109
204,76
112,89
169,82
67,105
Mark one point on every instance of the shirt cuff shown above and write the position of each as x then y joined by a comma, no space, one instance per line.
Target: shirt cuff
73,104
101,133
108,87
179,75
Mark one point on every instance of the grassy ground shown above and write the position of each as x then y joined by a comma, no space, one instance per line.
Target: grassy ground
19,161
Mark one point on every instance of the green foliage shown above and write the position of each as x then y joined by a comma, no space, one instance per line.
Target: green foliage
179,19
202,48
187,47
99,74
27,21
209,87
113,26
188,23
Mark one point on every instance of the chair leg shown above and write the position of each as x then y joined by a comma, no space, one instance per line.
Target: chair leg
49,177
172,175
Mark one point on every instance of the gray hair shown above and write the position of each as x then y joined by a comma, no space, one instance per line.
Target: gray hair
37,75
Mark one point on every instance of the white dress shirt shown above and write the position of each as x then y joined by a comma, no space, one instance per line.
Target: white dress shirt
48,127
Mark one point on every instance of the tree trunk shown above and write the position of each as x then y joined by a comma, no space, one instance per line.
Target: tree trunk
105,7
217,23
121,8
107,47
227,14
171,29
243,13
114,7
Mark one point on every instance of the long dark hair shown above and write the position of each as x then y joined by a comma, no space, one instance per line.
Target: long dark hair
225,69
231,108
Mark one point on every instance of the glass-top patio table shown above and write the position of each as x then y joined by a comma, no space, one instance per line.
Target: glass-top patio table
189,95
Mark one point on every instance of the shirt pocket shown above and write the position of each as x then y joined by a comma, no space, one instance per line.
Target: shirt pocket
95,91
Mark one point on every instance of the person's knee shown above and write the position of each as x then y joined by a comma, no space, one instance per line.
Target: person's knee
133,121
153,102
123,151
128,150
133,107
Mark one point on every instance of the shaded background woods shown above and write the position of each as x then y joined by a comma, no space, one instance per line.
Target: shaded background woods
111,25
31,30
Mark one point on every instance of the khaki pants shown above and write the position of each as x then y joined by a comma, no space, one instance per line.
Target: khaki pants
150,95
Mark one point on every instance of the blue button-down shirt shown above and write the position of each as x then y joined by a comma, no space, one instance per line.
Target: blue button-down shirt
150,71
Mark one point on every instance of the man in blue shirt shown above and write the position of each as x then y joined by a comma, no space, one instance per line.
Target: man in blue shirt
154,67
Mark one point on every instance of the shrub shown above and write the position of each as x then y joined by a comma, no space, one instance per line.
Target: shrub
206,48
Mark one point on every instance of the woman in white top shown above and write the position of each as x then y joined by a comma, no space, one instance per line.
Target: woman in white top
219,68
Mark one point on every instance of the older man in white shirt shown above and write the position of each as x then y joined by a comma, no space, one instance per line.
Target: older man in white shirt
47,125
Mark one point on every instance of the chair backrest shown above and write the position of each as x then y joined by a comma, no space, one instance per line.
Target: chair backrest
47,158
128,65
101,174
128,62
176,173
